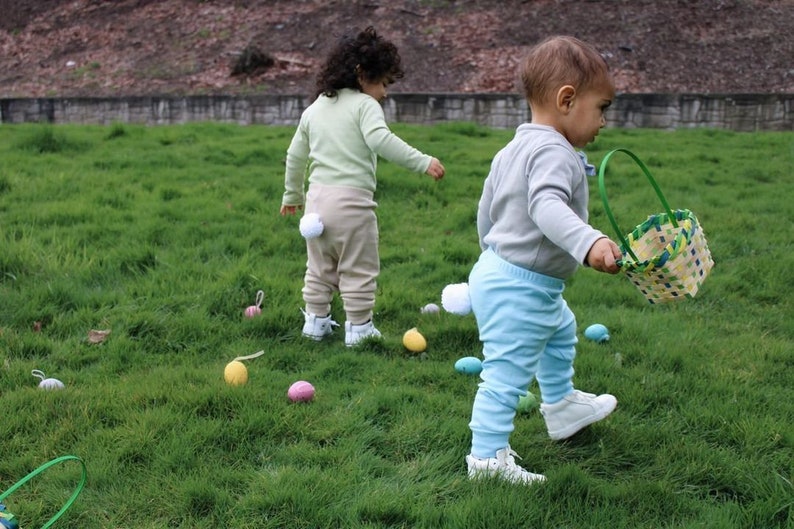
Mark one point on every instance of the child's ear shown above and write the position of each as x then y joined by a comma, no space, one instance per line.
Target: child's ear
565,96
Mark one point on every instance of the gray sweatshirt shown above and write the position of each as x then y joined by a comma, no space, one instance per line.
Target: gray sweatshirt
533,209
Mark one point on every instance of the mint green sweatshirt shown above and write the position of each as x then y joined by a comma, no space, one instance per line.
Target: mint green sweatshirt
340,138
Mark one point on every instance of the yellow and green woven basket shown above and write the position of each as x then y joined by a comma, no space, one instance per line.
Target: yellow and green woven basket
666,257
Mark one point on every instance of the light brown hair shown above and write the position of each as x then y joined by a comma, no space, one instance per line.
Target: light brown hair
558,61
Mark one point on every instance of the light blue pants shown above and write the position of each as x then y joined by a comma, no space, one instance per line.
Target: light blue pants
527,331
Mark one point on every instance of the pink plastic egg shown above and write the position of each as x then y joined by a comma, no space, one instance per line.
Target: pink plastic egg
301,391
252,311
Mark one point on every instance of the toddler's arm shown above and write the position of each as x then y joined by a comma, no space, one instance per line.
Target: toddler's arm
603,256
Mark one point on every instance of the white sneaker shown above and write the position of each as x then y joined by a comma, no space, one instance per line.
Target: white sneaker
502,466
575,411
356,333
317,328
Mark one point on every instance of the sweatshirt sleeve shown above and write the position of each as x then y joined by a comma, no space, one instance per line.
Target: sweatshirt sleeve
551,195
385,143
297,158
484,222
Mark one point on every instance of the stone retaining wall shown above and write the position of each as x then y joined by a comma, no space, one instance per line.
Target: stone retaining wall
739,112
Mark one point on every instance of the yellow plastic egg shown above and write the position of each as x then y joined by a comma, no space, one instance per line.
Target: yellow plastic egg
235,373
414,341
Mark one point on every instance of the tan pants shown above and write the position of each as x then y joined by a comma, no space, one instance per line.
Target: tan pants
345,257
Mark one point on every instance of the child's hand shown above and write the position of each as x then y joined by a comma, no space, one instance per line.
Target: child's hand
291,210
603,256
436,170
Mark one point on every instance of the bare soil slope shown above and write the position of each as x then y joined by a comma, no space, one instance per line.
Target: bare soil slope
150,47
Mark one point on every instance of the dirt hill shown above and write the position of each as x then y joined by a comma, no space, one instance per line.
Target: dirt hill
148,47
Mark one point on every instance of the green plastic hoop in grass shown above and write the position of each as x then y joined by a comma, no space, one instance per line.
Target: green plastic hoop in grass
9,520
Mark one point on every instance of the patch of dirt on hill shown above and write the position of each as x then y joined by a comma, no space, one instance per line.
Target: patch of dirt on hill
157,47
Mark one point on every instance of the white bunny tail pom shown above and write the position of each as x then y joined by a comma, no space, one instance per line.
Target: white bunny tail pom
311,226
455,299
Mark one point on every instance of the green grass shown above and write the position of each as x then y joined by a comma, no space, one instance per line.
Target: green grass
164,235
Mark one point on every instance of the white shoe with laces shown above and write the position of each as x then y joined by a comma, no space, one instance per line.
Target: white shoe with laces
503,466
356,333
317,328
575,411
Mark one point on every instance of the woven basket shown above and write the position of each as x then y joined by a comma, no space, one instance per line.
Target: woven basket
666,257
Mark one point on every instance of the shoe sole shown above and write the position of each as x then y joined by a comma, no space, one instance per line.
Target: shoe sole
477,475
315,337
573,429
371,337
359,342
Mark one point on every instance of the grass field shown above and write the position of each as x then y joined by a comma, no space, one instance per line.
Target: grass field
163,236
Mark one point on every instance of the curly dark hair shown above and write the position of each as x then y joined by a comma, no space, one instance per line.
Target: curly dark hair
358,53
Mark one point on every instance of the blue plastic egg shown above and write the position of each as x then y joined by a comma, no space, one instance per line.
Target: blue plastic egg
469,365
597,333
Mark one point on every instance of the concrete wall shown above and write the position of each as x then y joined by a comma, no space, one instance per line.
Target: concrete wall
739,112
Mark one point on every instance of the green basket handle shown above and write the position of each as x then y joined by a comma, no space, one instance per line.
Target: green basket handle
603,191
41,469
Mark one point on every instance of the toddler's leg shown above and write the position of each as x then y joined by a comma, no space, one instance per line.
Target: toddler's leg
566,410
516,312
515,318
555,369
497,397
359,267
353,231
321,280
